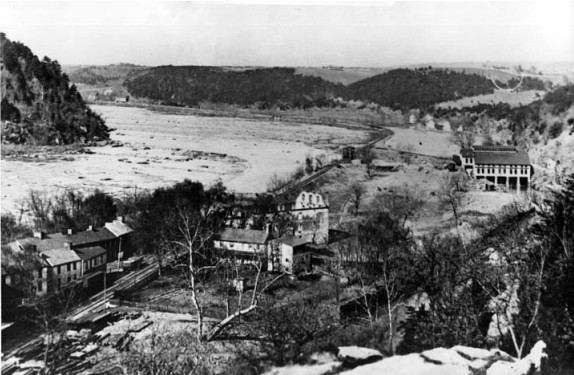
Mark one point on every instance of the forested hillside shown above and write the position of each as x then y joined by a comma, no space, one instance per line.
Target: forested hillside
39,105
191,85
419,88
282,87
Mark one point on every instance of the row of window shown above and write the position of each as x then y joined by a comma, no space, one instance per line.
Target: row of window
69,267
503,170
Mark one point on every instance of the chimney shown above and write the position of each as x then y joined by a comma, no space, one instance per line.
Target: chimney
70,231
68,245
90,228
326,200
40,235
120,219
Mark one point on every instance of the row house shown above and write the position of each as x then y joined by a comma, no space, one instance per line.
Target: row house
500,165
61,259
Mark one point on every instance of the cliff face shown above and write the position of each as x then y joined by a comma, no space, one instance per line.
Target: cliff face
39,105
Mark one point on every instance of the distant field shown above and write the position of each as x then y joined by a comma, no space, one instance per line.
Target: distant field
345,76
514,99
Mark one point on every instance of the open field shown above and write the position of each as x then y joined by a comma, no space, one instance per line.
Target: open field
427,142
161,149
514,99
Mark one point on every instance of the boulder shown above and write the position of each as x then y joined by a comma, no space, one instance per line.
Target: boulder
324,368
353,356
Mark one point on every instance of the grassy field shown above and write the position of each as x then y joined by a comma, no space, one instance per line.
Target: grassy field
514,99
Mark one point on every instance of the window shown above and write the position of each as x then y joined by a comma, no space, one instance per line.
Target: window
39,286
69,267
40,273
75,266
59,270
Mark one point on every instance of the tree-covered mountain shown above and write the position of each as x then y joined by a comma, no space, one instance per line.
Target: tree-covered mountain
191,85
283,87
419,88
38,103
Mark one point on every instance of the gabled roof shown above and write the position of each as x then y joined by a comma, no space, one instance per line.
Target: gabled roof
90,252
118,228
88,236
60,256
502,158
293,241
244,235
58,240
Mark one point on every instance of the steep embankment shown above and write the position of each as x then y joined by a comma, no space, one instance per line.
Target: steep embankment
39,105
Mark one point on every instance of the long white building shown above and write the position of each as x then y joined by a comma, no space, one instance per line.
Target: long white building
500,165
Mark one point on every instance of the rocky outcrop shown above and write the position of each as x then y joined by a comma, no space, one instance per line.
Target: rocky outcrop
458,360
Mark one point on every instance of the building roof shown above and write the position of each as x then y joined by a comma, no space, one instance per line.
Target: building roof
118,228
467,153
60,256
502,158
86,237
20,260
90,252
293,241
486,148
58,240
244,235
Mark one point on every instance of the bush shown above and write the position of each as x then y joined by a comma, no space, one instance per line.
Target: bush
555,130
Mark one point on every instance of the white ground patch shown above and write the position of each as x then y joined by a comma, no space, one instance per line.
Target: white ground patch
427,142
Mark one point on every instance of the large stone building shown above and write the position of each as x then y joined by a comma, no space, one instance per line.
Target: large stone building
306,216
499,165
310,216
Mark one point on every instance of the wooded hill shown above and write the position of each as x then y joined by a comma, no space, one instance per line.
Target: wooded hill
283,88
39,105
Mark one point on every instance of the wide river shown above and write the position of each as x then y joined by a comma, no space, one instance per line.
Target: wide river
161,149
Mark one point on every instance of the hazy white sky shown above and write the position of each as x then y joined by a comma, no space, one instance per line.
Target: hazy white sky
292,34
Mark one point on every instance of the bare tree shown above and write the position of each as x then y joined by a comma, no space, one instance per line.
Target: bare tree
195,237
464,139
356,193
450,193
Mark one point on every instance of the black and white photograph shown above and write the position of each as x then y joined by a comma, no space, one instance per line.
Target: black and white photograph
287,187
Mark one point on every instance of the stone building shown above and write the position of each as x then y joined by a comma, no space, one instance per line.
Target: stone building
499,165
310,216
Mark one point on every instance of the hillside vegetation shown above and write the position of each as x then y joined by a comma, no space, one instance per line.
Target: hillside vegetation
39,105
190,85
284,88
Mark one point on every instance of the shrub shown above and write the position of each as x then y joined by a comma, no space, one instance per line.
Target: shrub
555,130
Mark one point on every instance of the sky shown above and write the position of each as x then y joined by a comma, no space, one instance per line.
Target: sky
367,34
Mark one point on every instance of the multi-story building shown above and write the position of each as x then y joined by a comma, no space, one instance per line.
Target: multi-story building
306,217
309,216
500,165
64,258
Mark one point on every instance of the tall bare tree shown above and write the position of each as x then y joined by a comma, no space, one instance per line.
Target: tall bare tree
356,193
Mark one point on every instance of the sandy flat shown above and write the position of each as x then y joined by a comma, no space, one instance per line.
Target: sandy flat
164,144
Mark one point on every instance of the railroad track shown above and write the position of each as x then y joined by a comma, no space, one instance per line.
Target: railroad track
98,302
